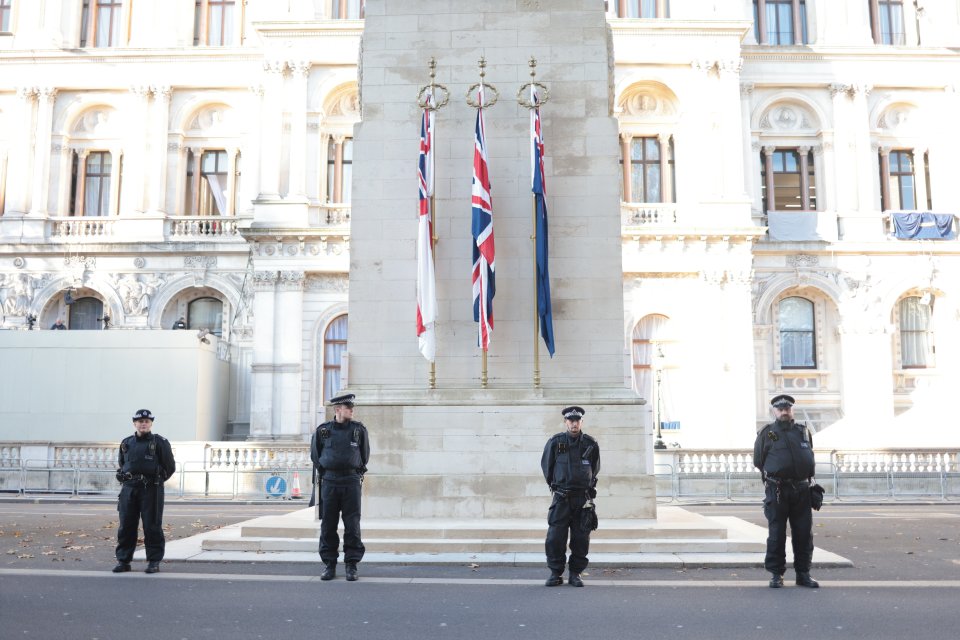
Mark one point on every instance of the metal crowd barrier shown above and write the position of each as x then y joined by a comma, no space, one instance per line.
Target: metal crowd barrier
191,480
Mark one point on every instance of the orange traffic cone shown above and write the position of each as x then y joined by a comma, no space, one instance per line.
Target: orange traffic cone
295,490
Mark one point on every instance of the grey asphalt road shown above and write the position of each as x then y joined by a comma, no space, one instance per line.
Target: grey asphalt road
905,584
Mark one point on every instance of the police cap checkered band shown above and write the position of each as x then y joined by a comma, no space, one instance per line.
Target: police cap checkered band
143,414
346,400
783,400
573,413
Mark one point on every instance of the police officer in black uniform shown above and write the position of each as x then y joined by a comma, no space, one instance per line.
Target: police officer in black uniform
146,462
570,463
340,451
783,452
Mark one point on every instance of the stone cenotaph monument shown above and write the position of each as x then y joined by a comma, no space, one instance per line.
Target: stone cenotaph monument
465,441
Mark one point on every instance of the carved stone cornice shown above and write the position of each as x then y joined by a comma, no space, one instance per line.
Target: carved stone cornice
265,280
291,280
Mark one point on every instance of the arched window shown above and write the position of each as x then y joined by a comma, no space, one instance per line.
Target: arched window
797,344
916,335
654,351
206,313
334,345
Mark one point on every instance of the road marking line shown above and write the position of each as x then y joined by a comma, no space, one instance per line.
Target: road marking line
670,584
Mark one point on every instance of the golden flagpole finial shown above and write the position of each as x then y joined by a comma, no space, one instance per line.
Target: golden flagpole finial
433,96
490,93
524,97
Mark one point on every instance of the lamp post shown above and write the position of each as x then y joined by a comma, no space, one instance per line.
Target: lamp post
657,387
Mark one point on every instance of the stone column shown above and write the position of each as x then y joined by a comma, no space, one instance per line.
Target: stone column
746,94
158,170
885,179
288,328
300,73
64,183
262,381
78,209
21,157
250,185
625,143
823,196
864,157
271,132
842,156
231,181
804,177
41,163
768,152
116,160
135,150
920,178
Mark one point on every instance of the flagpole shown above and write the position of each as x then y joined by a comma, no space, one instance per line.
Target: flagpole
427,99
479,103
534,103
536,299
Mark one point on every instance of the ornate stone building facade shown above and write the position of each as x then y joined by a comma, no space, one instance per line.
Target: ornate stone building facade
193,159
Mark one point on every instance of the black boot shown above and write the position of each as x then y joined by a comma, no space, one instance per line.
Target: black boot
804,580
329,571
776,581
121,567
351,572
153,567
574,580
554,580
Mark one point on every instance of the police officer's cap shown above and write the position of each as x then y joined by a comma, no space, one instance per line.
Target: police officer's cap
573,413
345,400
782,401
143,414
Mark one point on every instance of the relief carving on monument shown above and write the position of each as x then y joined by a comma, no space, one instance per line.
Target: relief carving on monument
136,291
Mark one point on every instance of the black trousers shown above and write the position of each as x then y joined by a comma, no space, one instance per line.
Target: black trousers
793,506
340,498
139,501
563,520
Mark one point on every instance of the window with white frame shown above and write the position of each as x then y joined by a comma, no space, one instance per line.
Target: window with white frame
334,346
101,24
639,8
655,375
898,180
91,185
6,9
207,192
339,170
647,170
788,179
776,21
346,9
797,334
915,324
213,22
886,22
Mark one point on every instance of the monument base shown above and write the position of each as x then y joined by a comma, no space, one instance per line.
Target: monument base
458,454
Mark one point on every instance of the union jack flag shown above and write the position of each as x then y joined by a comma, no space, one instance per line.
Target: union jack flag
483,250
544,307
426,277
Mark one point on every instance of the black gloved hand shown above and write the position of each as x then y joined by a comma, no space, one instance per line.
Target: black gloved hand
591,493
120,476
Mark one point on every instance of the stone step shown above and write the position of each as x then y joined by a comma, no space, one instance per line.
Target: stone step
481,545
535,530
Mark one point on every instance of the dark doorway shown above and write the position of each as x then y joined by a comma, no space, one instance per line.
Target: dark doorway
84,314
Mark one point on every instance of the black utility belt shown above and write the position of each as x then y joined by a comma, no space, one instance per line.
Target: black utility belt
139,477
331,473
788,481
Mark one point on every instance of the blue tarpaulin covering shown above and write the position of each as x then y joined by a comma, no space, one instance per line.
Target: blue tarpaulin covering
917,225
